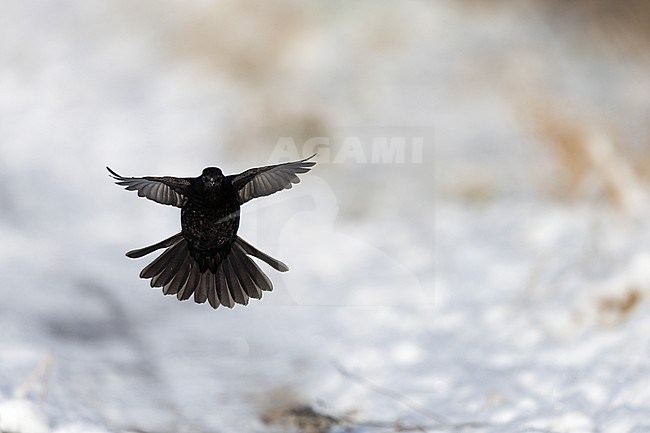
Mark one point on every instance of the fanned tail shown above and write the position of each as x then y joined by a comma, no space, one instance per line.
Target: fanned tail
236,280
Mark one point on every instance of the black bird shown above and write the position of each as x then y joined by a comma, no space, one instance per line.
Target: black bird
207,258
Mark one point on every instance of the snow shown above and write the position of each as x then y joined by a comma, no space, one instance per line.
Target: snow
446,289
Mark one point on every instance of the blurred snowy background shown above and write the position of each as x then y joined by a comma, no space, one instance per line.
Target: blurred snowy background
500,277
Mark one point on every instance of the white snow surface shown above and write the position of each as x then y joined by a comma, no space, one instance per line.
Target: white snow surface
402,304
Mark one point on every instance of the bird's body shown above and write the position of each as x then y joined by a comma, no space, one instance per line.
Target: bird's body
209,222
207,258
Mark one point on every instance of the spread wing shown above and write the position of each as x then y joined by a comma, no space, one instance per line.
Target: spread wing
262,181
164,190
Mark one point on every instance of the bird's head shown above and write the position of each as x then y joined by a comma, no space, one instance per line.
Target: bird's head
211,178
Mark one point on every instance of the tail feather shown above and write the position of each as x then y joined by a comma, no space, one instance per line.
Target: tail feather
251,250
163,262
134,254
211,286
192,282
253,290
179,280
236,279
224,278
179,253
259,277
201,293
212,294
248,269
155,267
234,290
159,264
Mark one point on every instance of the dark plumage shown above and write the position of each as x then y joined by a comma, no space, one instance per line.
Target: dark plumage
207,259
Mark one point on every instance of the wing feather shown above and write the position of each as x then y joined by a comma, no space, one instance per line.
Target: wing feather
164,190
263,181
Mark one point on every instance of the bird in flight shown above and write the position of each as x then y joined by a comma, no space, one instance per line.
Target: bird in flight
207,259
